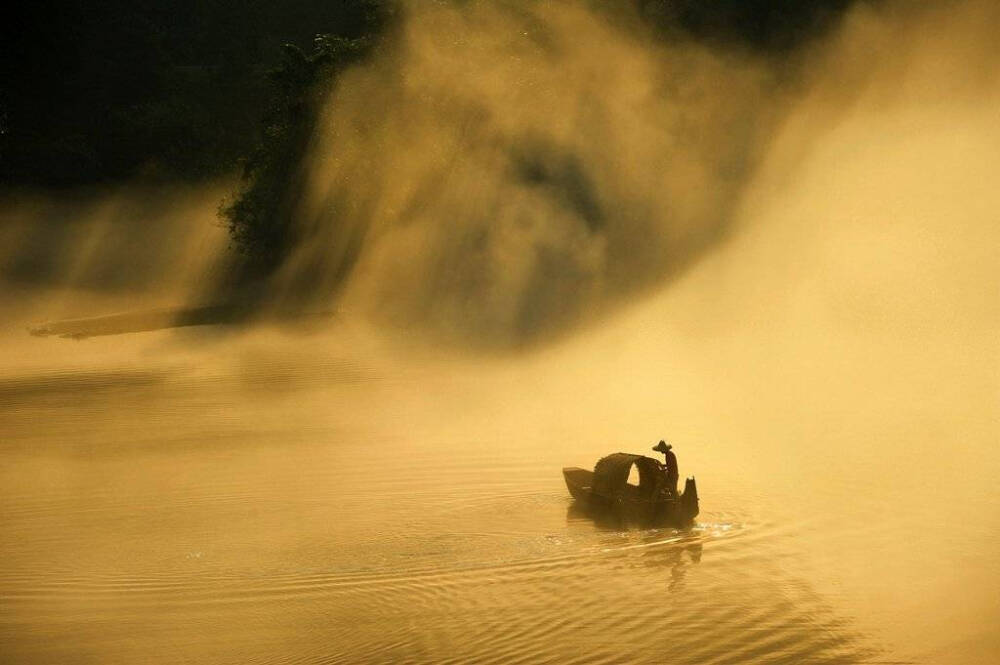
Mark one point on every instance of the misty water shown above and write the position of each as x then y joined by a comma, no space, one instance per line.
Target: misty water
312,497
331,491
373,484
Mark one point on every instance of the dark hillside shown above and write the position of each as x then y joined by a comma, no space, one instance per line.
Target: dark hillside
99,91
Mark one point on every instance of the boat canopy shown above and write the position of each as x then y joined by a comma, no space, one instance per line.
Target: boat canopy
611,475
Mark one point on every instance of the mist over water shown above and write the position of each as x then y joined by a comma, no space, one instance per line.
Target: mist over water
813,328
98,252
504,171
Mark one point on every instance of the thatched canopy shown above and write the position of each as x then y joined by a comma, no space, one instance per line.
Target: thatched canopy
611,475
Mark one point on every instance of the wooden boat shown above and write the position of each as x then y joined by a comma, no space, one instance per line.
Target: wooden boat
606,489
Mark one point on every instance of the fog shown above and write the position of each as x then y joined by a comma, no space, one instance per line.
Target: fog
788,269
505,171
499,175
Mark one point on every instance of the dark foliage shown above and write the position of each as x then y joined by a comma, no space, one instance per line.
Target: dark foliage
260,215
97,91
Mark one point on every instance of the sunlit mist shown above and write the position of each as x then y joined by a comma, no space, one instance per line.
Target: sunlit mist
531,235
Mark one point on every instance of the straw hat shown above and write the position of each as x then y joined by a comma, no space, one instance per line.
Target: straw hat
662,447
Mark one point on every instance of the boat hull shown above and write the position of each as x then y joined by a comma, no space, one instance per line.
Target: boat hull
661,510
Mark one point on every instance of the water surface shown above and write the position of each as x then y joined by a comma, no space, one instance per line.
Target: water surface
277,497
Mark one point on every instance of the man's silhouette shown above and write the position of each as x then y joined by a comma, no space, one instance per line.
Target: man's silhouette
669,466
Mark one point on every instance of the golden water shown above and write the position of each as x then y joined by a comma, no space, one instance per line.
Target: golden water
287,498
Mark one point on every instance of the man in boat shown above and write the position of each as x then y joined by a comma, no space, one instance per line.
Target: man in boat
669,466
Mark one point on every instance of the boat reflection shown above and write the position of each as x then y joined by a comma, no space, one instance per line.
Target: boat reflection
676,549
